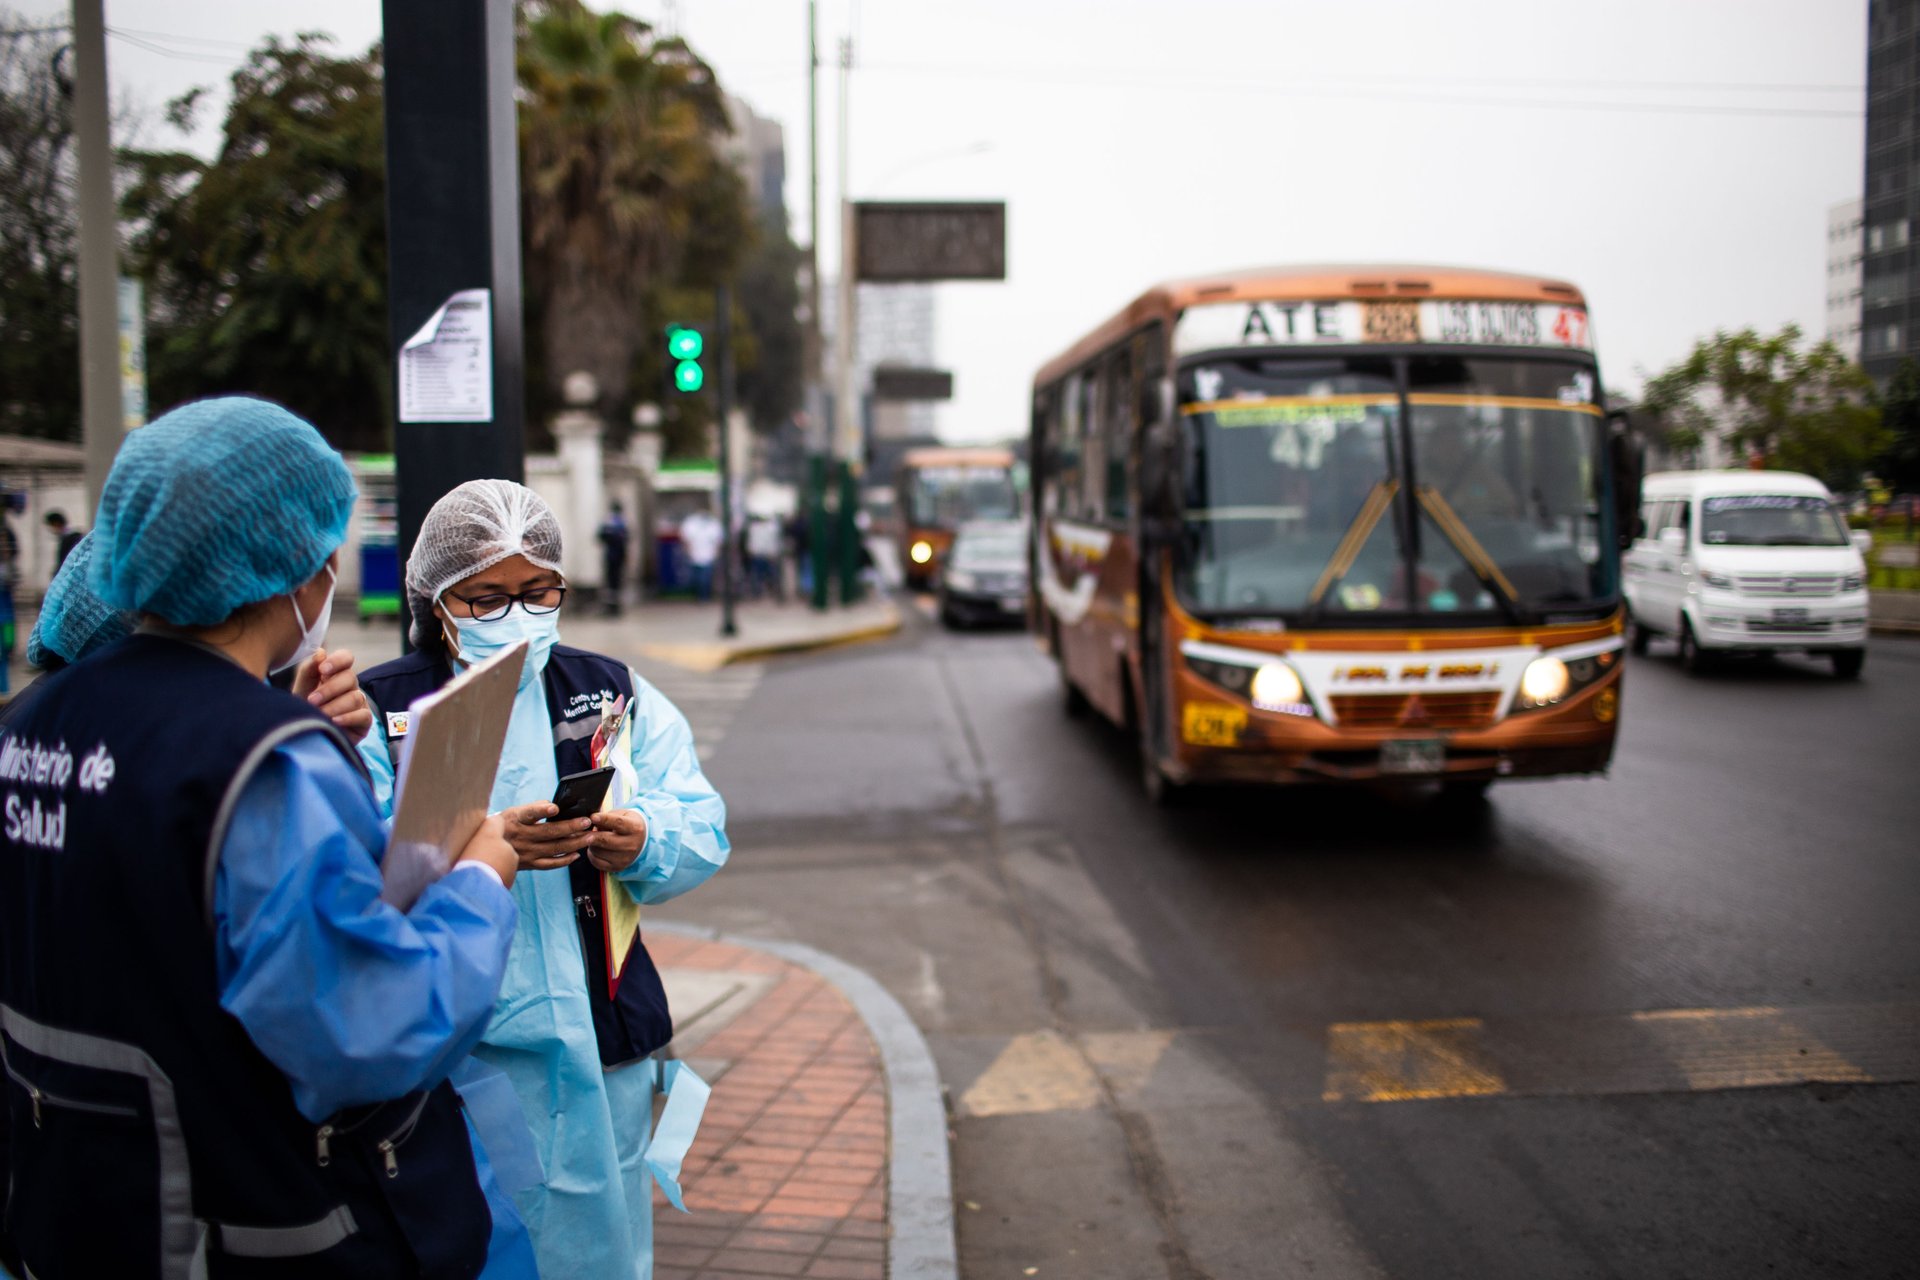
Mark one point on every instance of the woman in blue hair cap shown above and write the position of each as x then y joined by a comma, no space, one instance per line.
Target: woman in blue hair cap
211,1021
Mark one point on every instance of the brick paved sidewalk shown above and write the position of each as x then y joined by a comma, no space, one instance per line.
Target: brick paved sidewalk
789,1174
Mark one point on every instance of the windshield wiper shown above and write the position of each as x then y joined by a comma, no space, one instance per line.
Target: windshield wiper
1379,499
1482,564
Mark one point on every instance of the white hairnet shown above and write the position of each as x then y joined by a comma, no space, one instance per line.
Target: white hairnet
475,527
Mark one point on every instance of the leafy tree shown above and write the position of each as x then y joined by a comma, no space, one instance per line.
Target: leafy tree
622,187
768,293
267,268
1766,397
39,333
1899,465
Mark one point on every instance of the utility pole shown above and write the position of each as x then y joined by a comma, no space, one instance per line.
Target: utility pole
453,249
846,322
723,408
811,357
102,418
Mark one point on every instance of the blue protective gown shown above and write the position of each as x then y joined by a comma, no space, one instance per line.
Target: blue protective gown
353,1000
594,1215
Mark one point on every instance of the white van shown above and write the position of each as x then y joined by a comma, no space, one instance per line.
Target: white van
1749,562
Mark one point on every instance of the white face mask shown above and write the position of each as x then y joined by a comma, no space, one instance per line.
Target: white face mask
311,637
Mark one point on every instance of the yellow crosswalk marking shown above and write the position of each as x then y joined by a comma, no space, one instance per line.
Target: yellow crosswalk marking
1744,1048
1046,1071
1398,1061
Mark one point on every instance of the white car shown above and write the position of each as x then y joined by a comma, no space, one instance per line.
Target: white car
1747,562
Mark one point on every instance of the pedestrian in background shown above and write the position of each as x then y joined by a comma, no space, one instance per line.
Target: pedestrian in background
583,1006
799,538
614,535
65,537
765,574
700,538
196,945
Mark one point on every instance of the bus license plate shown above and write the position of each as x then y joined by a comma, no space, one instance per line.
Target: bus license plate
1212,724
1413,755
1791,617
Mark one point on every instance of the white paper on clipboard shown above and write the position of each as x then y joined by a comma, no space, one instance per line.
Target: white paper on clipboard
445,782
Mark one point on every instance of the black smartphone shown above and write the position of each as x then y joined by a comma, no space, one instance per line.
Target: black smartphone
579,794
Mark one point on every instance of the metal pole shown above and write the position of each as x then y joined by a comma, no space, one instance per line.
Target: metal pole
846,323
723,404
812,355
453,223
101,416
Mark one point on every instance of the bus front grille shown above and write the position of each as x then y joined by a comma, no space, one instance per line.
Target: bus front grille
1452,710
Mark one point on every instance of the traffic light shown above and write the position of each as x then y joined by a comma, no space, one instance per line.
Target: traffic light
684,348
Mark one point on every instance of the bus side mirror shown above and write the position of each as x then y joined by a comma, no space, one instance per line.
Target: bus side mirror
1160,472
1624,452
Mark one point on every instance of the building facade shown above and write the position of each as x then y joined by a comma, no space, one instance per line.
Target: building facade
1890,274
1845,247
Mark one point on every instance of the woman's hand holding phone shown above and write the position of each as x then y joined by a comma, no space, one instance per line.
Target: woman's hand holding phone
618,836
543,845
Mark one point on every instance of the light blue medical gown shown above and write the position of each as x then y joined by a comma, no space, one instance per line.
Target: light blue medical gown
353,1000
593,1218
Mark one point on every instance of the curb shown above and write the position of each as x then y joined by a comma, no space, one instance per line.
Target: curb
919,1178
1892,627
712,656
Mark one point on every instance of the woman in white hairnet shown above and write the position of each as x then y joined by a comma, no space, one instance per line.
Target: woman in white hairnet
582,1007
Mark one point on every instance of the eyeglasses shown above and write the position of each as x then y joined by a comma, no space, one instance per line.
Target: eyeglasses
492,608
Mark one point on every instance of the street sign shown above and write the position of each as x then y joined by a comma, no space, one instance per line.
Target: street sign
899,242
894,383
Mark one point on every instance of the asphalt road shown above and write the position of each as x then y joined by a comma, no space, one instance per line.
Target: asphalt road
1661,1024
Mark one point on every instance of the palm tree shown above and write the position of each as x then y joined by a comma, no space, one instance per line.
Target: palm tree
622,183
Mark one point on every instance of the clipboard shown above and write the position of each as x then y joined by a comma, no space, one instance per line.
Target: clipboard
445,783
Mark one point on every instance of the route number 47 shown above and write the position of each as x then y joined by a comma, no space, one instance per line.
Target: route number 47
1571,328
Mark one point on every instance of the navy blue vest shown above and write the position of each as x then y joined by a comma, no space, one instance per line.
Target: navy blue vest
633,1021
149,1137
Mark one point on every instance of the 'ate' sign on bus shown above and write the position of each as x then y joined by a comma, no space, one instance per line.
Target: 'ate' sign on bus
1214,326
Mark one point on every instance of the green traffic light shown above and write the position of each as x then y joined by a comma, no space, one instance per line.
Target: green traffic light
688,376
685,344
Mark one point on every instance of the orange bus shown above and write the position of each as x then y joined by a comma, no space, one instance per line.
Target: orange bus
937,491
1337,523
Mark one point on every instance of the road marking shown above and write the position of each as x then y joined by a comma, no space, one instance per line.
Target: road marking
710,701
1044,1071
1650,1051
1399,1061
1036,1072
1744,1048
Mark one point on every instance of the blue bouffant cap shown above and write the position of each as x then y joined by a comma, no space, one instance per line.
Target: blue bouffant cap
217,504
73,621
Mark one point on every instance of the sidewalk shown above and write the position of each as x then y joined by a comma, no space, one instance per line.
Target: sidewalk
676,631
823,1151
688,634
1894,612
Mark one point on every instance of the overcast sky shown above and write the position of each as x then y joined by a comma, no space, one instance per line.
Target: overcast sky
1675,160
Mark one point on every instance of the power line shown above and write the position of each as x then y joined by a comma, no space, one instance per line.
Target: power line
1296,88
218,60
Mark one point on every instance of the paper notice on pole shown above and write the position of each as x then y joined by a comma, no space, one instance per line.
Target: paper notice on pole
446,369
447,765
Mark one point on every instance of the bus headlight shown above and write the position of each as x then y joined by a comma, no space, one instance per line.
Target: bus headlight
1549,679
920,552
1544,681
1276,687
961,580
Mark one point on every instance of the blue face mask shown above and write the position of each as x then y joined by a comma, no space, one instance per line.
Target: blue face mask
476,641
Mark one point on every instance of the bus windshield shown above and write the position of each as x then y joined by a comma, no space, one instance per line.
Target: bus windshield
1336,487
945,497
